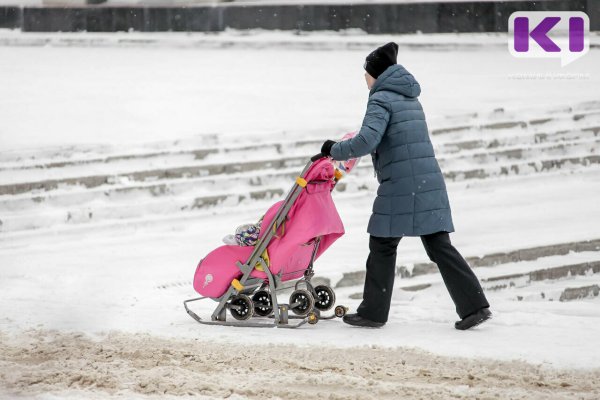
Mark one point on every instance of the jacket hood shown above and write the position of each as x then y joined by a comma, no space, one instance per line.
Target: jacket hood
397,79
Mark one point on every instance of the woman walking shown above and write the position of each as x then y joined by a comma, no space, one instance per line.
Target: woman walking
411,198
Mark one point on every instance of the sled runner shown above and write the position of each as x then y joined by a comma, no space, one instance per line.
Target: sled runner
244,281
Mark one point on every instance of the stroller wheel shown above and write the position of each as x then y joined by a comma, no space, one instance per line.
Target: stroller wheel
313,318
340,311
325,298
263,304
301,302
241,307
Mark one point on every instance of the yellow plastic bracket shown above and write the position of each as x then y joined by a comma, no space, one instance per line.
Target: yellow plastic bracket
276,228
237,285
301,181
338,174
259,265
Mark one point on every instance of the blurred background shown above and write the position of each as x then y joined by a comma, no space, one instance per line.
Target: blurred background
389,16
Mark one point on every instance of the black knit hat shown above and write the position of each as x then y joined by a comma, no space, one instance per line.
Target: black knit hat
380,59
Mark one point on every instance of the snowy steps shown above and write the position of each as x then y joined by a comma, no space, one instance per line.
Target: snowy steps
169,182
131,202
84,186
177,202
571,272
447,140
159,181
487,260
566,288
454,158
584,292
505,281
16,165
36,162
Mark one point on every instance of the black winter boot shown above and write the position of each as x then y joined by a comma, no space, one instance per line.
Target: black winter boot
474,319
357,320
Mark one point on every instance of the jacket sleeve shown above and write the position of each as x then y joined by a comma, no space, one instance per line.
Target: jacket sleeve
373,127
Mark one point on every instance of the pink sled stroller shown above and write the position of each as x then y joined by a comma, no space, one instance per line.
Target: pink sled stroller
294,233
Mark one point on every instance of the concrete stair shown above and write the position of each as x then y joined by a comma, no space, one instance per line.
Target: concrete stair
560,272
82,185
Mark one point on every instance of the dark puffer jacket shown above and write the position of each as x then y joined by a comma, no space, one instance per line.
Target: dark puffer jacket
411,198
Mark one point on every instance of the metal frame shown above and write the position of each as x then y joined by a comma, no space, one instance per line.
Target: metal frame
280,310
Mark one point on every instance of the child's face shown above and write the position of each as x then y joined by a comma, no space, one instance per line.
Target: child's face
370,80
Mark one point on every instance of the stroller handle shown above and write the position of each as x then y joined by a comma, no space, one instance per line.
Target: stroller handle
316,157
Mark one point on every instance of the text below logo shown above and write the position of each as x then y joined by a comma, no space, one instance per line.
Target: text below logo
548,34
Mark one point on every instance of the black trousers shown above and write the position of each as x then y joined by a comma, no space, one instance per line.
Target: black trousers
461,282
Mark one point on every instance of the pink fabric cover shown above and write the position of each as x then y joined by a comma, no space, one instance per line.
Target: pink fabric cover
313,214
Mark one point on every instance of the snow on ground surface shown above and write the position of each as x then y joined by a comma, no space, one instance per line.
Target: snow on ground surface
155,366
123,94
92,307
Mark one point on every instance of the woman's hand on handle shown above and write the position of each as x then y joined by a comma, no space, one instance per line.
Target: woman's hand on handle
326,148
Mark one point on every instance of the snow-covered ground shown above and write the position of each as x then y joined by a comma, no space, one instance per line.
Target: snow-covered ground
112,160
121,93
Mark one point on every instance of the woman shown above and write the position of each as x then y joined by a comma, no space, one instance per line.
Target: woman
411,198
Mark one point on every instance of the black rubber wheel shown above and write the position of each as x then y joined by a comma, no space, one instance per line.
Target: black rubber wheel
340,311
313,318
325,298
305,300
263,304
243,309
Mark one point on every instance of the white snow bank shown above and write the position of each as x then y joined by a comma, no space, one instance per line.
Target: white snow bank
138,94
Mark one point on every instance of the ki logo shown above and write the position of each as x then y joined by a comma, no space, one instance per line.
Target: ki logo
547,34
